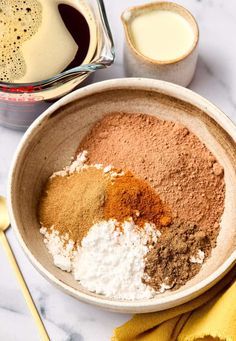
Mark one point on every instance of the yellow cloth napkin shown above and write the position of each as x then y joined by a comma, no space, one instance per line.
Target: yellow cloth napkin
211,314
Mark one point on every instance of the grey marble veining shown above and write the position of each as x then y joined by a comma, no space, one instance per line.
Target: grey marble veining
66,318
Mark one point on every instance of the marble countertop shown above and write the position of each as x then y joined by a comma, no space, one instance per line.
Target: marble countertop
66,318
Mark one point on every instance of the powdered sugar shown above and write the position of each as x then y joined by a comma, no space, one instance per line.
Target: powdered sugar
80,163
199,258
75,166
110,260
60,247
164,287
112,263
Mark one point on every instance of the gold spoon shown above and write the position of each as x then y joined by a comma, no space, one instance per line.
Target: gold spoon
4,224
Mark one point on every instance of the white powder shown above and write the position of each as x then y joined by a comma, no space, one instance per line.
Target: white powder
60,247
107,169
199,258
110,260
75,166
80,163
164,287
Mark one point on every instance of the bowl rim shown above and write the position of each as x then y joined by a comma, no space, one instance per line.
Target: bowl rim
176,91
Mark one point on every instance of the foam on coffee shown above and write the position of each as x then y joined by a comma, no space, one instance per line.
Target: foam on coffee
35,43
19,21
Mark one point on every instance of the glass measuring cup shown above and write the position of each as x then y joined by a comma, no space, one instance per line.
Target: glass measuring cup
21,103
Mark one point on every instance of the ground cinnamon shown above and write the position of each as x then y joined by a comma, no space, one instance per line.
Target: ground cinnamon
130,197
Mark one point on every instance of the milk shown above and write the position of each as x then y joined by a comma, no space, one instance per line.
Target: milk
162,35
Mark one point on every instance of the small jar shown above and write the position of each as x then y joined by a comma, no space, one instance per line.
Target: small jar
179,70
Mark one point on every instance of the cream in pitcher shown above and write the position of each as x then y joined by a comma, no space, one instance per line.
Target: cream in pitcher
162,35
161,42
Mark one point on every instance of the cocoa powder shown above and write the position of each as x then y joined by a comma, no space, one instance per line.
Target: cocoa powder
173,160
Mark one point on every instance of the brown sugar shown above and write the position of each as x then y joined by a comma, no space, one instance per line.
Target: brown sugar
73,203
130,197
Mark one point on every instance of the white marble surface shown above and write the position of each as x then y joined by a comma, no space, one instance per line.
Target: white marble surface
66,318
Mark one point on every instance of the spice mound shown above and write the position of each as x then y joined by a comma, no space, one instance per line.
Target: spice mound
130,197
72,203
128,222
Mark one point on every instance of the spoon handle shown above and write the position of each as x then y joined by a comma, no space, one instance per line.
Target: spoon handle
24,288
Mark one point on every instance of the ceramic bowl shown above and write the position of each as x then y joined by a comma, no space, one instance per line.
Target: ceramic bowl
180,70
52,139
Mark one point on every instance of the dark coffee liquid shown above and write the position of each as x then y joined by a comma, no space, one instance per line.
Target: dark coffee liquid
78,27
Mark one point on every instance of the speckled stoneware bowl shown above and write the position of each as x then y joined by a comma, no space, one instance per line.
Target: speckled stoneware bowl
179,70
52,139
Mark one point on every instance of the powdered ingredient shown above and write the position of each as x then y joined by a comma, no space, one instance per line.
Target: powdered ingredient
110,260
176,163
130,197
189,178
60,247
81,195
73,203
171,259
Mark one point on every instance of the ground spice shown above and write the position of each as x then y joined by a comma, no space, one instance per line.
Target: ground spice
130,197
169,261
173,160
73,203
